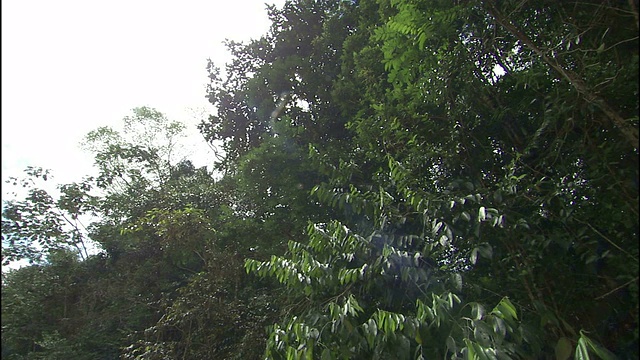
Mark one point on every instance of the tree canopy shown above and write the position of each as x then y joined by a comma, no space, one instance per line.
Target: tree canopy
400,179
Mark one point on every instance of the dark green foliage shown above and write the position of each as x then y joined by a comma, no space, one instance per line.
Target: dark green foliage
501,173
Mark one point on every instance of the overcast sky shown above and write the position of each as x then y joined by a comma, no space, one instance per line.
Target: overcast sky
69,67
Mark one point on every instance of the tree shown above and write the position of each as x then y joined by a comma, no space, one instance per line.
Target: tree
493,159
143,225
39,225
285,76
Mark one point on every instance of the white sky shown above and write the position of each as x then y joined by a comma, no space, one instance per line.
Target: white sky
70,66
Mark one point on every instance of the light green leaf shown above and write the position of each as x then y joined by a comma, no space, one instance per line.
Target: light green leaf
581,351
471,353
505,309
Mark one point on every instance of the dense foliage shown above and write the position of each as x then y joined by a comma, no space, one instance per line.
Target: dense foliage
399,179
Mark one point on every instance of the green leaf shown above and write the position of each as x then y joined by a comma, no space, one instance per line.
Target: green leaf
477,311
598,349
563,349
482,215
373,327
499,326
451,345
581,350
480,352
474,256
505,309
422,38
471,353
481,333
509,307
486,251
326,354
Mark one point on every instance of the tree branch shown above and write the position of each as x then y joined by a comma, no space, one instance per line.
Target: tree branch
616,289
629,132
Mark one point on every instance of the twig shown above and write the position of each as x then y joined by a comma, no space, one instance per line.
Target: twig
618,288
607,239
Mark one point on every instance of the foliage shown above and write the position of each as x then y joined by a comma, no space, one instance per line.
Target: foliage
400,179
500,156
40,224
